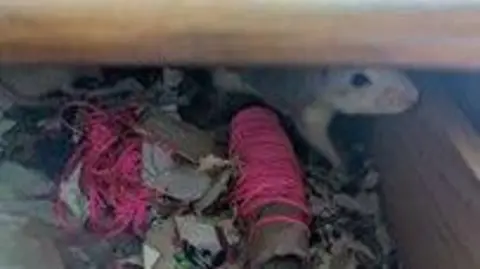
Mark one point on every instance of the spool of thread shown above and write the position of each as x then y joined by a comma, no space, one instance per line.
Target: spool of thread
270,188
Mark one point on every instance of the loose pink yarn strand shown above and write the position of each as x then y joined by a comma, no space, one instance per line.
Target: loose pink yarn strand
110,178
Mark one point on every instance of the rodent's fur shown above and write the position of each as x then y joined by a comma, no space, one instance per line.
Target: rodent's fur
311,97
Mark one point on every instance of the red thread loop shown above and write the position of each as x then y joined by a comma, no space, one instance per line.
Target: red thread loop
269,172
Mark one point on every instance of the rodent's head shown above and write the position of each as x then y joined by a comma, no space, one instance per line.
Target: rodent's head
369,91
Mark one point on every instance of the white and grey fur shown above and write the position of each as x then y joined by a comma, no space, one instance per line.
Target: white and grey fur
311,97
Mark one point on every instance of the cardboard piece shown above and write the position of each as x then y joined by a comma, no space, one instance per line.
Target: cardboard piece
278,239
219,186
183,242
200,241
182,183
72,196
187,140
159,249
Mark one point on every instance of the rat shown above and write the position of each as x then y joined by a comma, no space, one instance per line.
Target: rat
313,96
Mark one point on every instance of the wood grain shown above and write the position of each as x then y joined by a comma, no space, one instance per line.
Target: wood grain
429,159
233,32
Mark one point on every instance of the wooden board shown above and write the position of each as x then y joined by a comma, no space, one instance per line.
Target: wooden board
429,159
240,32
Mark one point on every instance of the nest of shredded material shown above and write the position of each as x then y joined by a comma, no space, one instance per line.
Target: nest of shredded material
349,229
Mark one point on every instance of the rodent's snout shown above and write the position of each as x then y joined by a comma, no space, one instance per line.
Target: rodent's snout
396,101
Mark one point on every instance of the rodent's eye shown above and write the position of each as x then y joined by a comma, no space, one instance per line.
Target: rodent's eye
360,80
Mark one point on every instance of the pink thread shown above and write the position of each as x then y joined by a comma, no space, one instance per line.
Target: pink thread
269,172
111,159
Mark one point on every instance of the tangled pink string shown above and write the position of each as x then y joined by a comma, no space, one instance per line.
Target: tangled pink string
111,160
269,172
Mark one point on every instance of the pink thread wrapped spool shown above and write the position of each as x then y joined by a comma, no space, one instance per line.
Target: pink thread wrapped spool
269,194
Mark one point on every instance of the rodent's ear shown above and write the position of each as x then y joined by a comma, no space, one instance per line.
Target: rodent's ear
369,91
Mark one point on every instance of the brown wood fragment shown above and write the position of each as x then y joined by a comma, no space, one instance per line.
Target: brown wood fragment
428,159
237,32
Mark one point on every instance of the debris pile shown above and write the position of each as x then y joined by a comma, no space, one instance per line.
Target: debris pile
154,168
